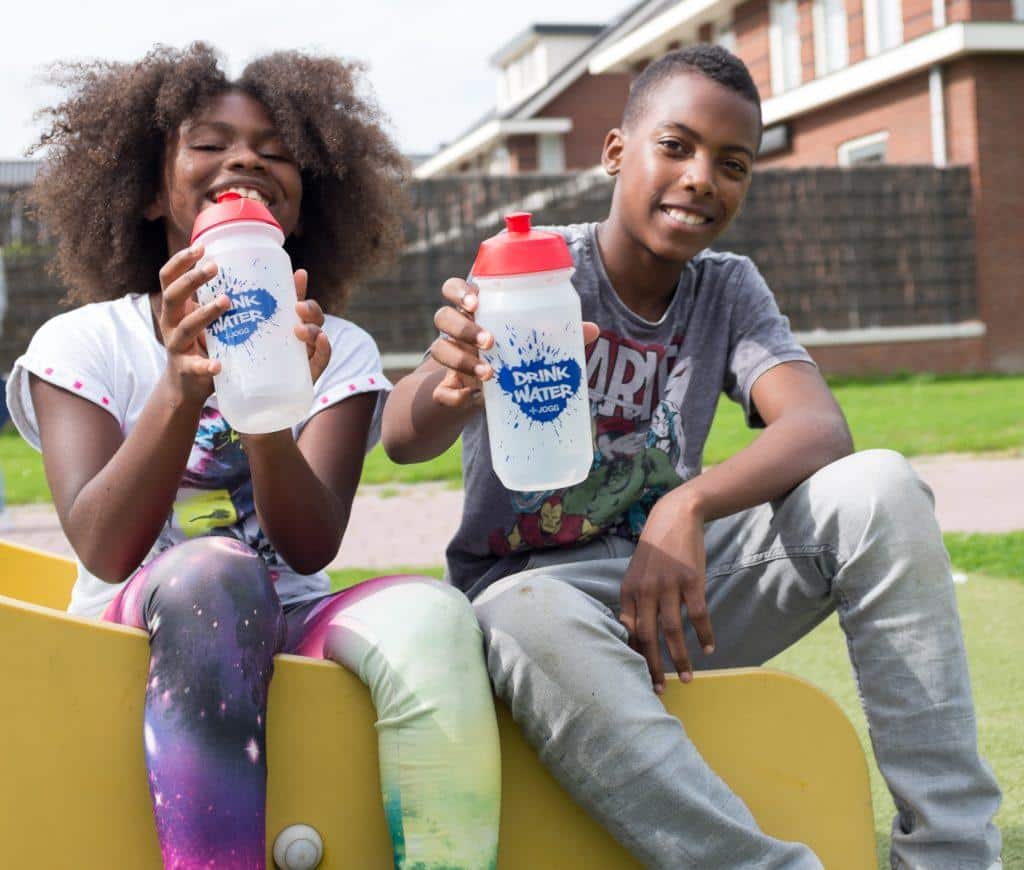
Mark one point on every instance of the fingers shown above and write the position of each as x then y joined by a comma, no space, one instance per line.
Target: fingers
697,613
460,358
647,639
590,332
320,357
190,328
457,325
457,391
671,622
181,277
459,294
301,283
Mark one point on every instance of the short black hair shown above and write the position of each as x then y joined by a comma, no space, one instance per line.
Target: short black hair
704,59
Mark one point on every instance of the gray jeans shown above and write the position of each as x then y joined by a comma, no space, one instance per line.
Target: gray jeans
859,537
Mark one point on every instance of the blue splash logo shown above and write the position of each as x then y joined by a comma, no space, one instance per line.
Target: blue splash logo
541,389
250,308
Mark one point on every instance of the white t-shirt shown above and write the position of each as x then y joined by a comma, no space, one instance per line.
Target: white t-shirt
108,353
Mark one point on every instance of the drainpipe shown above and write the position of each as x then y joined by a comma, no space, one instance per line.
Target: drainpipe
938,115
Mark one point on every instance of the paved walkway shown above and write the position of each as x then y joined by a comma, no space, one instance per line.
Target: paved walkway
410,525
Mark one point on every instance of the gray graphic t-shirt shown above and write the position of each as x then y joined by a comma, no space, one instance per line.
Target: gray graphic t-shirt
654,388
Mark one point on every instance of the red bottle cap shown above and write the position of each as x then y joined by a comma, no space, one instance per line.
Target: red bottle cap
231,207
521,250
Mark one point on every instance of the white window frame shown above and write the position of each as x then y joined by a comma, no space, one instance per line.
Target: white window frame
828,57
875,11
787,73
852,152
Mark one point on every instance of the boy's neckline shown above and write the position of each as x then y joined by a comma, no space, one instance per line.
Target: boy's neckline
602,271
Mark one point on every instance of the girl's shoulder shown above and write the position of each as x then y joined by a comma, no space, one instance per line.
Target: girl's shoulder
114,320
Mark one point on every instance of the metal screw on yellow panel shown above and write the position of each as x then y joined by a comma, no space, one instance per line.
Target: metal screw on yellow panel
298,847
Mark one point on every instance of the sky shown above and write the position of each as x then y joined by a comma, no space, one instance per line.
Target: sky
427,59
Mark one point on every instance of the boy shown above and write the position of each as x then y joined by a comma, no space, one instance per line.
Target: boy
584,594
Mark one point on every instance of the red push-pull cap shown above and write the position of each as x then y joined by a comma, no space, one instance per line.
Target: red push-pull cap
521,250
232,207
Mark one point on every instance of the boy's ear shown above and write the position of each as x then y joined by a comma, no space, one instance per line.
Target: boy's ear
611,153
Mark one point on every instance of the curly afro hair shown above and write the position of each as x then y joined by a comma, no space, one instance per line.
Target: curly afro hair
106,143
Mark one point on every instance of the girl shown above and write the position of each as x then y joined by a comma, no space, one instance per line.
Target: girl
211,541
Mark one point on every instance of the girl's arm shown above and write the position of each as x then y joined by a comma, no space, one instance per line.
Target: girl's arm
113,494
304,490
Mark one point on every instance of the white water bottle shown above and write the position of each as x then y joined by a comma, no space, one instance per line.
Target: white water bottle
264,384
537,403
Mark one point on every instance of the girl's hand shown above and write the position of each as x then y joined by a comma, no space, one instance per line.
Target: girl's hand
311,315
182,321
665,574
459,345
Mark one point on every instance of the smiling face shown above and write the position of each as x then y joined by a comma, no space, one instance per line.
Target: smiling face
684,165
230,144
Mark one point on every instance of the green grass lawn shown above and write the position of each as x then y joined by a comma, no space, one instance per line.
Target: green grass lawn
915,415
991,612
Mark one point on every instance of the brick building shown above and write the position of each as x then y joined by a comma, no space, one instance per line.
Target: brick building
843,83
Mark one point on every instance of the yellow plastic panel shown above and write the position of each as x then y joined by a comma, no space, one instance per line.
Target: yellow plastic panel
73,787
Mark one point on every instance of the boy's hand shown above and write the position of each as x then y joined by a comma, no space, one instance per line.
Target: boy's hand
666,572
182,321
309,330
459,345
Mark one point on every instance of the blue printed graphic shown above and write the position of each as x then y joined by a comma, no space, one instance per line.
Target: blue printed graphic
541,388
250,308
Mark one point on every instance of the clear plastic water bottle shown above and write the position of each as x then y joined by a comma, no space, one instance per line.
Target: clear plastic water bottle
537,403
264,384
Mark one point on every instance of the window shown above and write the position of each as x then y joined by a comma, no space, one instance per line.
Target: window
500,162
552,153
784,34
883,25
865,150
831,50
722,34
1018,10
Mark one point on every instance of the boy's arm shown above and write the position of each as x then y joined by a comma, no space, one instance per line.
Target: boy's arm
805,431
428,409
416,426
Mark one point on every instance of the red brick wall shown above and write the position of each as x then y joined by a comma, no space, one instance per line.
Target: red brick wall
750,24
522,152
855,30
902,108
943,357
998,173
917,18
595,104
979,10
805,15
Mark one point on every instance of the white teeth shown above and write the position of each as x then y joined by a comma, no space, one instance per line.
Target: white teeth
685,217
247,193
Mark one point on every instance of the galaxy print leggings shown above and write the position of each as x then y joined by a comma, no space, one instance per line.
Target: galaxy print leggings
215,622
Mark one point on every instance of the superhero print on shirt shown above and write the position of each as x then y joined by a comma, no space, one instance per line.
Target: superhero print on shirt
636,451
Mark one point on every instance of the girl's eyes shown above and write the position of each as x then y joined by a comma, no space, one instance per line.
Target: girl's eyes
207,147
736,166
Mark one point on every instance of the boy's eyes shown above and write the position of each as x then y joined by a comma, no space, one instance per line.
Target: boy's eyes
677,147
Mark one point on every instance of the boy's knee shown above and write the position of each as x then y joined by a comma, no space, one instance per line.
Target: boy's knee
537,615
874,484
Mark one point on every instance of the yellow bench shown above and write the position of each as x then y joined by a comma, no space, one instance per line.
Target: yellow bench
73,788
